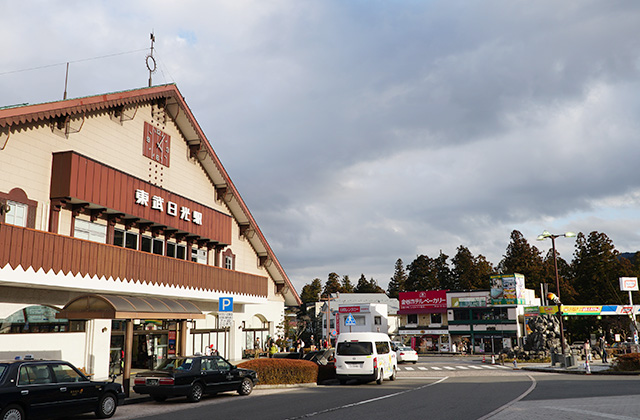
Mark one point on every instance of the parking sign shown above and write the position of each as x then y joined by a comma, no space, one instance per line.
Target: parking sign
225,304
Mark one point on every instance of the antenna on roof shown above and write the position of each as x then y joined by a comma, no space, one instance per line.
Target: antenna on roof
66,79
151,62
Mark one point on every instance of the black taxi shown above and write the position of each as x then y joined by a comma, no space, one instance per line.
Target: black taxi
193,376
39,389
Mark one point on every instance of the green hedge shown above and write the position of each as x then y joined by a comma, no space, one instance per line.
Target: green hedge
627,362
283,371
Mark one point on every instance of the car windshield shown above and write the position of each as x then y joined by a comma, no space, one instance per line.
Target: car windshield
350,348
405,348
176,364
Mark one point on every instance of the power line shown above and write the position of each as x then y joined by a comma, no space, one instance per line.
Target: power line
74,61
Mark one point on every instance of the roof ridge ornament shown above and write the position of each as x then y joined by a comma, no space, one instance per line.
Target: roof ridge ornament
151,62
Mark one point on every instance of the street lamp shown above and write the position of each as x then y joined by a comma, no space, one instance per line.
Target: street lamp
553,237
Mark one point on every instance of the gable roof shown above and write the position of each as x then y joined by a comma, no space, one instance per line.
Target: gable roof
200,148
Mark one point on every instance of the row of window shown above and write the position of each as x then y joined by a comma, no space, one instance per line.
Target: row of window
97,232
435,319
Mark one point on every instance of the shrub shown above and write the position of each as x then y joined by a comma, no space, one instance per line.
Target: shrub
283,371
627,362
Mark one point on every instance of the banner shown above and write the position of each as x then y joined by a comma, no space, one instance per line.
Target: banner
507,289
431,301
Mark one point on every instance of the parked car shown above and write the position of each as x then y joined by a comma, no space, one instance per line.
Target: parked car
406,354
39,389
194,376
322,357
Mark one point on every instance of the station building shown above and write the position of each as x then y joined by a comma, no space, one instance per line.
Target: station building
123,240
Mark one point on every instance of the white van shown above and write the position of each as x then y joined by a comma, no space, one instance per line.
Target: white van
366,357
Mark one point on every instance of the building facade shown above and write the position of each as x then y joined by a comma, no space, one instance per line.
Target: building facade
123,239
423,322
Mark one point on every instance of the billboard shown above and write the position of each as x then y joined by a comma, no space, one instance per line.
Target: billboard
430,301
507,289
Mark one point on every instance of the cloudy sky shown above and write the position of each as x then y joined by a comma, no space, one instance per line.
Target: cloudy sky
359,132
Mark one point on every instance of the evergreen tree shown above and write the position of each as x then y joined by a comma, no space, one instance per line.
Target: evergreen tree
332,285
443,272
524,259
422,274
311,292
347,286
596,270
367,286
471,272
398,281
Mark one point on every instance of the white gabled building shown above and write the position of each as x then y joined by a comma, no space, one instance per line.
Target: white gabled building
120,234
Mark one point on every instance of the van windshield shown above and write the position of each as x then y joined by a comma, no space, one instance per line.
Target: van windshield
347,348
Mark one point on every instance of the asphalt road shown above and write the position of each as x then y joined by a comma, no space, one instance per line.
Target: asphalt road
445,388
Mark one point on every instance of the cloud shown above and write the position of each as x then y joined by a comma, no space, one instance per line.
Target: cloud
362,132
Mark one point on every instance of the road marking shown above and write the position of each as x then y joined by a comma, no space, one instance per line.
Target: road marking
489,367
510,403
408,368
449,368
422,368
329,410
475,367
435,368
462,367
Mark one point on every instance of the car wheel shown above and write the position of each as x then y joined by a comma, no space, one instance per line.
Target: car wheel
415,361
159,398
107,405
245,387
196,392
12,412
380,378
393,375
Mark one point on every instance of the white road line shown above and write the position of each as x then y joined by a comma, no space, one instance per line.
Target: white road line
449,368
422,368
489,367
475,367
408,368
304,416
510,403
435,368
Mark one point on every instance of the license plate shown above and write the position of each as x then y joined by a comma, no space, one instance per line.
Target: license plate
153,381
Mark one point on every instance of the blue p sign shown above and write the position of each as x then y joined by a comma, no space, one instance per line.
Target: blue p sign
225,304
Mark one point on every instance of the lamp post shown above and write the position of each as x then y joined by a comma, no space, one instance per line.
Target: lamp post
553,237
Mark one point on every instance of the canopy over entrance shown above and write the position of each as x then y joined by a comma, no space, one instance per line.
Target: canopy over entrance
95,306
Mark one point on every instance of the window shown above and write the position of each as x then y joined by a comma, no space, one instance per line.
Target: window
90,231
412,319
347,348
34,374
152,245
65,373
125,239
377,320
199,256
228,263
436,318
38,319
382,347
17,214
176,251
360,320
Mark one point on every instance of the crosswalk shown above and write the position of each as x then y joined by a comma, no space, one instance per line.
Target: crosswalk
450,368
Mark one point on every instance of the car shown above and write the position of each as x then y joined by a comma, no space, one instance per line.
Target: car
321,357
194,376
406,354
365,357
39,389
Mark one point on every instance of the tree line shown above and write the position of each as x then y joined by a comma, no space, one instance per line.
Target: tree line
589,278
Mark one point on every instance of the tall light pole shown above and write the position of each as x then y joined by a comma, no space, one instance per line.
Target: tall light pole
553,237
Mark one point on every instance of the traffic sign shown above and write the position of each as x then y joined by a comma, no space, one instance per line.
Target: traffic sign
225,319
350,321
225,304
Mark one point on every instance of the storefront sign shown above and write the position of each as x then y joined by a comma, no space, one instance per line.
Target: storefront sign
158,203
507,289
172,342
468,302
432,301
629,284
349,309
581,310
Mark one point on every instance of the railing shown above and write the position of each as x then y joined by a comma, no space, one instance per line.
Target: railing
48,251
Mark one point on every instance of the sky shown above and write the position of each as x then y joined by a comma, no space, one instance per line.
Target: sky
359,132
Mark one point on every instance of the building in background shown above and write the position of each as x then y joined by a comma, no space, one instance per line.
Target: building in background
123,239
423,320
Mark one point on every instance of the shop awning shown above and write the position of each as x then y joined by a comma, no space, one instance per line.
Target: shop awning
98,306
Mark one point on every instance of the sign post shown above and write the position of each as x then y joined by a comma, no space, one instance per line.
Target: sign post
350,321
630,284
